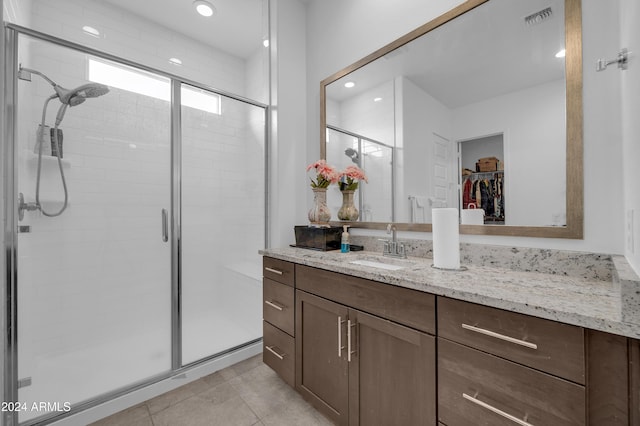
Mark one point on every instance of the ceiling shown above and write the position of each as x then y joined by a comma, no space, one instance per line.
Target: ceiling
237,26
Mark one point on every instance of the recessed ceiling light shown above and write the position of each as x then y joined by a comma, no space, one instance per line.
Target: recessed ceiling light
561,53
175,61
377,99
349,84
91,31
265,42
204,8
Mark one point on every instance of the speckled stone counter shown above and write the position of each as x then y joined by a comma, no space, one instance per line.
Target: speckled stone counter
605,301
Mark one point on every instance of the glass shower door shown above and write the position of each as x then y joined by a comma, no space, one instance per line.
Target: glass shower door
223,214
94,282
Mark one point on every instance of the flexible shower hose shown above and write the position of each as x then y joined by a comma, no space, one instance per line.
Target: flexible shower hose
40,142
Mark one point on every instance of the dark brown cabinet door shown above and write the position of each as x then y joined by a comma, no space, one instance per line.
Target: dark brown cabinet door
321,361
392,374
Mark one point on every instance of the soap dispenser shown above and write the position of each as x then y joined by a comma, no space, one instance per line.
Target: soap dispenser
344,246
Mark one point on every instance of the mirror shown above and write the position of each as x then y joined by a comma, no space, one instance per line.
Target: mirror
424,107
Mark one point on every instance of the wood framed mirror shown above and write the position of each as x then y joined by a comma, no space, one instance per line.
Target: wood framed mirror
486,68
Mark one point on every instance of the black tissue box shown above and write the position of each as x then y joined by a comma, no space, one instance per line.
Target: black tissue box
318,238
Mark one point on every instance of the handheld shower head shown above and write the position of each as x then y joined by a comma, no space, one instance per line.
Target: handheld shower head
68,97
79,94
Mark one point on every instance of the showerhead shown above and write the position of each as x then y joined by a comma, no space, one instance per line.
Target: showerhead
68,97
353,154
80,94
77,96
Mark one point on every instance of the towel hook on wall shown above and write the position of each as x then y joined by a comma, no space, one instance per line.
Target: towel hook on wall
622,60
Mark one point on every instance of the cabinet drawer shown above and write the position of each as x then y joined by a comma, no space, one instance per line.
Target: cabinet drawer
278,307
278,270
408,307
545,345
279,352
475,388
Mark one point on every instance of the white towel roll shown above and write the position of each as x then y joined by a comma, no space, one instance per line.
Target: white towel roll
446,238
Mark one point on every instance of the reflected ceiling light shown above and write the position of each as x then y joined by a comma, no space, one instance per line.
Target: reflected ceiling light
377,99
265,42
561,53
204,8
349,84
175,61
91,31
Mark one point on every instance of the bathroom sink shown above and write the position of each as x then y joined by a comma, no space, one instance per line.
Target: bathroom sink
390,264
376,264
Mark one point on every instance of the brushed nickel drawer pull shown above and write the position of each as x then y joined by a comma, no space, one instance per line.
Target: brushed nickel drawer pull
496,410
340,346
500,336
273,305
275,271
270,349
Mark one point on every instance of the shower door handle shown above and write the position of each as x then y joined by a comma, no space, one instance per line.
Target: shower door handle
165,225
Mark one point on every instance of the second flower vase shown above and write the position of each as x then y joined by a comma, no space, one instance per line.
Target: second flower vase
348,211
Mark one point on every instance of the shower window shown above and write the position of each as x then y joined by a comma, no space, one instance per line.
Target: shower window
147,84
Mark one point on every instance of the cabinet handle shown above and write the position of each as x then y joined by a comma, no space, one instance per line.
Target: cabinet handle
270,349
500,336
349,351
275,271
273,305
340,346
496,410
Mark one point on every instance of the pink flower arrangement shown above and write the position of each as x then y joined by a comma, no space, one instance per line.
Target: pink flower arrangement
325,174
350,177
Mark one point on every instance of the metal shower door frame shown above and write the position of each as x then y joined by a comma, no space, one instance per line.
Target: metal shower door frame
9,297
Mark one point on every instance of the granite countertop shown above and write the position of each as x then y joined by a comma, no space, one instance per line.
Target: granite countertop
587,302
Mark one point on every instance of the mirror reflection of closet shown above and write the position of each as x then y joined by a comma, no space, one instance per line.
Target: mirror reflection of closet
482,180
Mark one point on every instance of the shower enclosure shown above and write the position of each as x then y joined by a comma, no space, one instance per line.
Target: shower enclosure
345,148
151,265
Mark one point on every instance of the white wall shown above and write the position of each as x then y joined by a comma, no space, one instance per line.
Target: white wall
421,118
534,155
333,46
630,91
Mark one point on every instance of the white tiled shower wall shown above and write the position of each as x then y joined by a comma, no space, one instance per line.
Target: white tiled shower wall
96,279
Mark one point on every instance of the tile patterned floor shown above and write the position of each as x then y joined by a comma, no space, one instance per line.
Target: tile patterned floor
248,393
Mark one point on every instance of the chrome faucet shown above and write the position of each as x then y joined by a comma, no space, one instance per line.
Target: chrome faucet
392,247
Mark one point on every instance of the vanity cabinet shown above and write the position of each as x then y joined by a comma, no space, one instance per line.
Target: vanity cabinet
368,353
278,298
358,367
